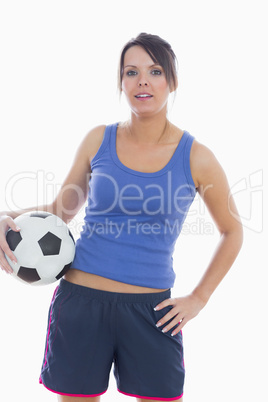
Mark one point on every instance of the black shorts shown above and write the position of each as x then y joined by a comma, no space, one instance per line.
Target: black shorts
89,330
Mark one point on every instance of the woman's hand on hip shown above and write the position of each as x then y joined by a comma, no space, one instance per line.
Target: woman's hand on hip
183,310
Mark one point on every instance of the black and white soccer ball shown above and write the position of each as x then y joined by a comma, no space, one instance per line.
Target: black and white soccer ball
44,248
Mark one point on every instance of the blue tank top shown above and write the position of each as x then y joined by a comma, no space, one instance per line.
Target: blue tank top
133,219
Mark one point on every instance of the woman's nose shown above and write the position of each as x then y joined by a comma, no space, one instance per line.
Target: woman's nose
143,83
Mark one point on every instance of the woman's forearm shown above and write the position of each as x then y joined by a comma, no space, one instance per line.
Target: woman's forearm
222,260
15,214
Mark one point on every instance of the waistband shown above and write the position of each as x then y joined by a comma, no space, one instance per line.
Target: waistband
114,296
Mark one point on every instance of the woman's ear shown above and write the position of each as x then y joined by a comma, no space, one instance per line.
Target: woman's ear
174,86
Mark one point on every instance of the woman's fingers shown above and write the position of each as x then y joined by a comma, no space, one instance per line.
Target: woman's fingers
6,223
183,309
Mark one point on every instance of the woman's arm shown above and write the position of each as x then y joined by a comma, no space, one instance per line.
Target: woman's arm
71,197
213,187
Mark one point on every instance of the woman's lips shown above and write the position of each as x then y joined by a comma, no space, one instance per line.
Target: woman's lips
143,96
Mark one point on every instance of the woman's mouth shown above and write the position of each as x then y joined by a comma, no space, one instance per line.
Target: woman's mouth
143,96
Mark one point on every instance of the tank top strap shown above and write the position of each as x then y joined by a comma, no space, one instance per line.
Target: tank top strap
109,131
110,135
188,142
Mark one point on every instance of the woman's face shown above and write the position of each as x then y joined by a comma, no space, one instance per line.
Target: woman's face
144,83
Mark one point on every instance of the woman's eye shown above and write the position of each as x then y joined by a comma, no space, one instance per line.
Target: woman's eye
131,73
156,72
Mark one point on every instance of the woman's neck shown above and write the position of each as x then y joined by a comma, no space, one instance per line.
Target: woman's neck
148,130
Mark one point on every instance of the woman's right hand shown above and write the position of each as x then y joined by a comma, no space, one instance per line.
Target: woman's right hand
6,222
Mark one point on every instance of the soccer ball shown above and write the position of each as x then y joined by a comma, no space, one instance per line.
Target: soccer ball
44,248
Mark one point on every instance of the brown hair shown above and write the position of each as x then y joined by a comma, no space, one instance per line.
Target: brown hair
160,52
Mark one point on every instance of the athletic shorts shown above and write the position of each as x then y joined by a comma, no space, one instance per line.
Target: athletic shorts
90,330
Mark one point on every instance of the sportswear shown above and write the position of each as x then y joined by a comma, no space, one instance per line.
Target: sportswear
133,219
90,329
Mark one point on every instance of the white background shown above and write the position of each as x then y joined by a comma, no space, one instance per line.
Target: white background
57,80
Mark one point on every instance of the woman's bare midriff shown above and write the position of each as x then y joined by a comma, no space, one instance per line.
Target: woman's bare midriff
98,282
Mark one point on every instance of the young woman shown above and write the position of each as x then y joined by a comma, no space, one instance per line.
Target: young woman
114,304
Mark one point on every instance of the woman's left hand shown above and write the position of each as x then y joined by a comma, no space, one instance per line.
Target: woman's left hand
183,310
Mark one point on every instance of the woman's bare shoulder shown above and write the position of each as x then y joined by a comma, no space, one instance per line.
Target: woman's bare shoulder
201,154
203,162
92,141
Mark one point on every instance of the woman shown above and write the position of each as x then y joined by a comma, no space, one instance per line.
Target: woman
114,304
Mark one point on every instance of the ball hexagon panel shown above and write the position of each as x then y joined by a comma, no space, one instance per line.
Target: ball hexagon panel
28,275
50,244
28,253
13,239
50,266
